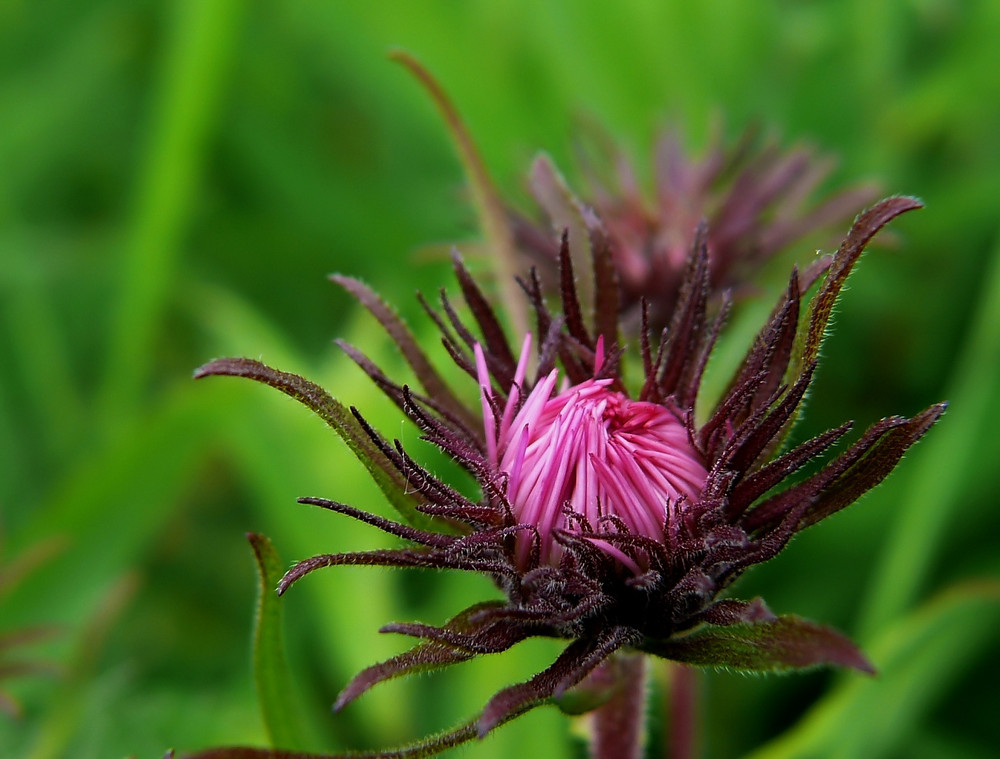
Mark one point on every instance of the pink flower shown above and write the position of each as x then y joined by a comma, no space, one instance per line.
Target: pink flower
589,456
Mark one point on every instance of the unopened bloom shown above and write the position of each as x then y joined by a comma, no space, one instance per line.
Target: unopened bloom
608,515
589,454
756,198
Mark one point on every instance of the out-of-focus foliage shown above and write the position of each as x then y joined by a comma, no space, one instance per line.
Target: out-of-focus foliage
176,180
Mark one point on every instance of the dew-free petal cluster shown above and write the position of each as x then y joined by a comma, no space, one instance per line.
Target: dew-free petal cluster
591,456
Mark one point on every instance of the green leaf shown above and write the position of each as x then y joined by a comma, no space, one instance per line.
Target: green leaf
64,718
275,689
787,642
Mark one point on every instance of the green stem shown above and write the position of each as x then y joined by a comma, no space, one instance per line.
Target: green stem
618,724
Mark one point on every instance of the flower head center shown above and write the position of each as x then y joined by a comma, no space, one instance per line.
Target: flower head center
588,457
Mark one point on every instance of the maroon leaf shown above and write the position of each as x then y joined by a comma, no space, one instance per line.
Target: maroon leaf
570,299
865,228
873,466
431,381
687,325
577,661
856,471
606,294
495,342
339,418
755,485
784,643
425,657
732,612
426,747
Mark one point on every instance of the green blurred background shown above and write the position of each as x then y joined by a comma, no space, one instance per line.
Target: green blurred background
178,178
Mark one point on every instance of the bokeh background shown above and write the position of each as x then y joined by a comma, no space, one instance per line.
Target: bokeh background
178,178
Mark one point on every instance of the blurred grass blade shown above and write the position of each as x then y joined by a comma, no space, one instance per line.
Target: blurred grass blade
63,721
14,666
152,464
15,571
917,658
933,491
41,351
275,688
492,215
197,55
44,93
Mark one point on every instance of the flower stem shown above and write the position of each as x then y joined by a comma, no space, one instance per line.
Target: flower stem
682,711
618,726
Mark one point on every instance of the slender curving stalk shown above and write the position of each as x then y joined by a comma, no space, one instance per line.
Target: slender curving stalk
487,201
